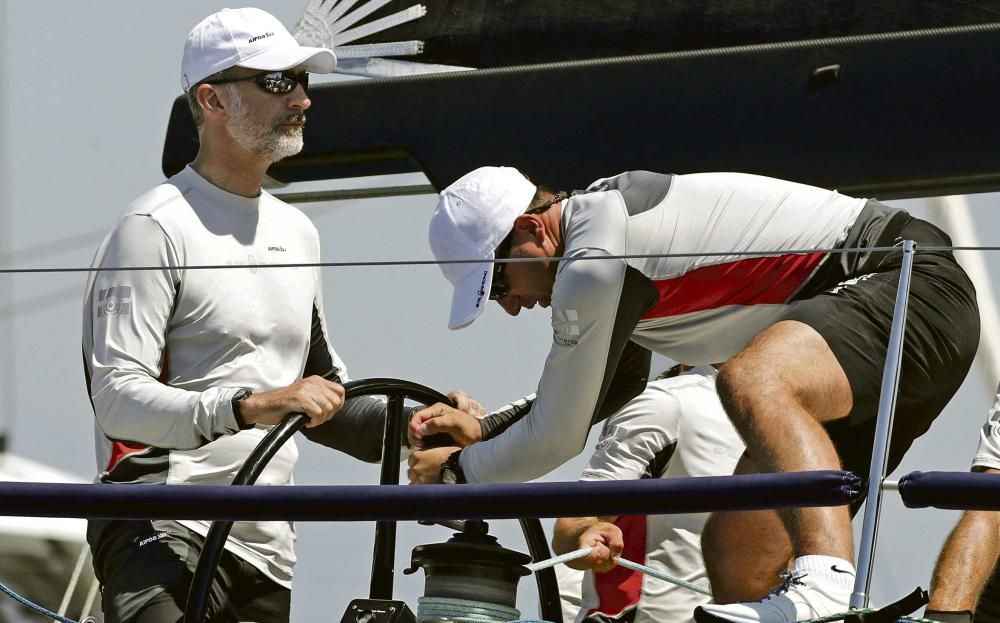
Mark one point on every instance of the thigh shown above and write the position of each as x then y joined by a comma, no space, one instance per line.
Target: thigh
787,362
942,332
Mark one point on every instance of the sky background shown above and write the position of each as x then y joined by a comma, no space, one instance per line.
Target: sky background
84,100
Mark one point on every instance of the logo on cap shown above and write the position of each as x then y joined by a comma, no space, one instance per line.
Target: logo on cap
482,289
259,37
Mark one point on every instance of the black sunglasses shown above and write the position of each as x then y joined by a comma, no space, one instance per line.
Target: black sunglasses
274,82
499,287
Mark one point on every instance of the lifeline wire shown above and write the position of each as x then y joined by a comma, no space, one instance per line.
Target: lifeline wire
37,608
507,260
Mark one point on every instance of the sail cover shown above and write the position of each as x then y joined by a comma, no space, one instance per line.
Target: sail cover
888,99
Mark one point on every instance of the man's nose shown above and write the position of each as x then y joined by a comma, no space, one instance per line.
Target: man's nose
300,99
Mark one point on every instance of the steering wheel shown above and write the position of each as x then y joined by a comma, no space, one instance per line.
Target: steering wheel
396,391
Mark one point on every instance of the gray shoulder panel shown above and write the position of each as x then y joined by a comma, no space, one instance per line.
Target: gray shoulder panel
642,190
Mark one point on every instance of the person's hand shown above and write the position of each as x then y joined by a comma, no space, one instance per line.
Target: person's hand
464,429
465,402
425,465
315,396
607,543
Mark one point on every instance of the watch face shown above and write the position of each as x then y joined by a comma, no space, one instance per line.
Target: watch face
448,476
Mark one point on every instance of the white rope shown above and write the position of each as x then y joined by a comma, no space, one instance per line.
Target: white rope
634,566
74,579
624,562
567,557
88,605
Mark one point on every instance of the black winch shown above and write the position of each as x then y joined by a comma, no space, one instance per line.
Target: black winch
469,578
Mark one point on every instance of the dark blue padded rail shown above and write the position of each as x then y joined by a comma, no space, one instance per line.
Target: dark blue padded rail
372,502
951,490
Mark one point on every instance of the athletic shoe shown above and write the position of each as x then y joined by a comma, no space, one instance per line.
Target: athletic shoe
800,597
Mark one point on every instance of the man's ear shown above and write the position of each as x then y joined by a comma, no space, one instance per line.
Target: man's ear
209,100
532,225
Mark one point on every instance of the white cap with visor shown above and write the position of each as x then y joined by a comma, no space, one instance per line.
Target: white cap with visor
472,218
249,38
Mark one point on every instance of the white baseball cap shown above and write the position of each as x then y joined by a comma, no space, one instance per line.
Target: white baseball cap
472,217
248,38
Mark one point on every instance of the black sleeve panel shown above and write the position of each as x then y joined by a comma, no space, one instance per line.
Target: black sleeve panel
319,361
628,380
357,429
500,420
627,369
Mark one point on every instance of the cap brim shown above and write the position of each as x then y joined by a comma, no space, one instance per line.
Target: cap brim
471,296
315,60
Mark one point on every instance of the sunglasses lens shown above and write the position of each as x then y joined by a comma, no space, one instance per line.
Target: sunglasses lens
498,289
282,82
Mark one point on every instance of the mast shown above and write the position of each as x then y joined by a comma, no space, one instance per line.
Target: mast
8,388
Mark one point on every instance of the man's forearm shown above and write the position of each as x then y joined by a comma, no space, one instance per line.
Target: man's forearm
966,562
357,429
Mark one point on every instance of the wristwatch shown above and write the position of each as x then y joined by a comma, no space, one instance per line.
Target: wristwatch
451,470
242,394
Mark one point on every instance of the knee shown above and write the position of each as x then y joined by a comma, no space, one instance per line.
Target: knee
745,389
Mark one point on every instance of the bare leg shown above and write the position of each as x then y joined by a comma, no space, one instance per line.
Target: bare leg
966,561
744,550
777,392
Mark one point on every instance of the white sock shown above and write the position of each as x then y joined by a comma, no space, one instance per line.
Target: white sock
836,570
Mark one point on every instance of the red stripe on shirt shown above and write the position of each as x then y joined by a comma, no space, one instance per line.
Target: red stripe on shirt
122,449
619,589
749,281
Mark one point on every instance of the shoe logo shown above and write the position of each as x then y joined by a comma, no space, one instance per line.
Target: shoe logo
835,569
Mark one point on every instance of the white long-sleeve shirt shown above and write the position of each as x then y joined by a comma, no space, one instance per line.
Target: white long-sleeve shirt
166,349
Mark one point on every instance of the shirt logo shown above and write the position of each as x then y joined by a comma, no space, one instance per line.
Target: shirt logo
616,435
850,282
565,326
151,539
249,262
114,301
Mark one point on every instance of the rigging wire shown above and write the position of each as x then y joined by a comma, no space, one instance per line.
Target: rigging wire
510,260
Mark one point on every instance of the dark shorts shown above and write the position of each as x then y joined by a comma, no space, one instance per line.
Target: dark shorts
145,569
854,316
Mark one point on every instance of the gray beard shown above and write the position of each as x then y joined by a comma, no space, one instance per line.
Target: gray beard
260,139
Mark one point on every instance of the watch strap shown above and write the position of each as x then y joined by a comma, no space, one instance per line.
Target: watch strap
453,467
242,394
